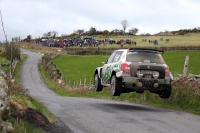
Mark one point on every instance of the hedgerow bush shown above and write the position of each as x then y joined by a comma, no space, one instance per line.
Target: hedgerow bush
12,51
2,53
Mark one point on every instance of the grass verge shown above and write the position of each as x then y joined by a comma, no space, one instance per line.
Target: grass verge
23,101
181,99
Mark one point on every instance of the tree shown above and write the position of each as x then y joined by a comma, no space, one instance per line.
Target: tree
124,24
50,34
80,31
105,32
15,39
54,34
133,31
92,31
29,37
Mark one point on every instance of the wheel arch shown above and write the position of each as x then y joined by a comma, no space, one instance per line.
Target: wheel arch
98,71
114,72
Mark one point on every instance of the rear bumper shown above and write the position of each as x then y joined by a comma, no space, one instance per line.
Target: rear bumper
144,83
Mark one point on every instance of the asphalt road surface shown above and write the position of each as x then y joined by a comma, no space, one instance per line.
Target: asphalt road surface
89,115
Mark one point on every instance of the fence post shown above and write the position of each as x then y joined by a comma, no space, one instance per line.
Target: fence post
84,82
80,83
185,69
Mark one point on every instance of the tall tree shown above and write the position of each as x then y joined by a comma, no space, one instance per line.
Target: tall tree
133,31
124,24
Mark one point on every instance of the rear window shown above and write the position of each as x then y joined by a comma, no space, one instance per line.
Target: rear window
144,57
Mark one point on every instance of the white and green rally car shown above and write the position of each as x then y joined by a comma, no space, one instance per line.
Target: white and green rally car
136,69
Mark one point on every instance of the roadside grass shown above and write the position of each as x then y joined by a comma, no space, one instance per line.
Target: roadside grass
20,126
17,69
3,60
23,102
181,99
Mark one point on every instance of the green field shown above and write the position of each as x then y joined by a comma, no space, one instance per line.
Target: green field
76,67
180,40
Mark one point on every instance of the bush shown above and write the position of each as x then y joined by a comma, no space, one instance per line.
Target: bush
2,53
12,52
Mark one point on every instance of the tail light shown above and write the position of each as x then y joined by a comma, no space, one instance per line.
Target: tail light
125,67
167,72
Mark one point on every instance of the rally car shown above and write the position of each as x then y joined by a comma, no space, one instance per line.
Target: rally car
134,70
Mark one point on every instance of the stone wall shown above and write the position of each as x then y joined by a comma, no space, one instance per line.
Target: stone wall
5,127
190,81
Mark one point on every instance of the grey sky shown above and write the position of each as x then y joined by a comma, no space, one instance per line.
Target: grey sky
35,17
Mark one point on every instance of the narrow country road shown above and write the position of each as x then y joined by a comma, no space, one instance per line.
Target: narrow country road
88,115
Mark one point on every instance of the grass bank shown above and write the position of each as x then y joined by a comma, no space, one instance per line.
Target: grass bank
83,66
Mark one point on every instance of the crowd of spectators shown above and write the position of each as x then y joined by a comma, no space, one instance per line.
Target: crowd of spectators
80,42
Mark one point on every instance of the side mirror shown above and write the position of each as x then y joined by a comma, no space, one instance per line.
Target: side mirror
103,62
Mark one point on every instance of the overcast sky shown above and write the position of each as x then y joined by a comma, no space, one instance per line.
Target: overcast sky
36,17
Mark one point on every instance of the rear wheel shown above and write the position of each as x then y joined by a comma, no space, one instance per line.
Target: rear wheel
166,93
97,83
115,86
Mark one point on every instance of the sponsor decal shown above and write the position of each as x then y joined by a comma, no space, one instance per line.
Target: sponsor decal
106,76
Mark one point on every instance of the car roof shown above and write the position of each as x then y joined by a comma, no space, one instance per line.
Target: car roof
142,50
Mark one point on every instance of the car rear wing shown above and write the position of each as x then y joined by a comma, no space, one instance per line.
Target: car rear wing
145,50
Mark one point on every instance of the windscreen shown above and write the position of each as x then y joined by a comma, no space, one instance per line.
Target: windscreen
147,57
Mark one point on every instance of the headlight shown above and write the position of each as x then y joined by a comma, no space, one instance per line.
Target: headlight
140,74
156,74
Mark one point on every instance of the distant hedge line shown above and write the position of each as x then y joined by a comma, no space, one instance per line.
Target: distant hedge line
102,51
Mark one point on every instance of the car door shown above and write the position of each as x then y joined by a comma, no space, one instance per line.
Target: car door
109,66
106,66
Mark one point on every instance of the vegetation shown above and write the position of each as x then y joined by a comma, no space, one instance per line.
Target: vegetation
37,48
181,99
3,60
12,52
19,98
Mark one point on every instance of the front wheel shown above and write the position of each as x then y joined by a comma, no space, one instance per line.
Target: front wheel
166,93
97,83
115,86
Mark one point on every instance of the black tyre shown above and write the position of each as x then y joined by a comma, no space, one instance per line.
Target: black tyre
165,94
97,83
115,86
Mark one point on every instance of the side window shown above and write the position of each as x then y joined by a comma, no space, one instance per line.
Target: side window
110,59
117,56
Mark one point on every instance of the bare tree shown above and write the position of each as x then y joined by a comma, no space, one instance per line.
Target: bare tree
124,24
50,34
54,34
133,31
16,39
45,35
